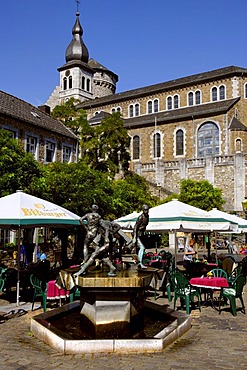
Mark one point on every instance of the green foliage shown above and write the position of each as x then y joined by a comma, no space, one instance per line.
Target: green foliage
106,146
76,187
18,169
70,115
200,194
130,194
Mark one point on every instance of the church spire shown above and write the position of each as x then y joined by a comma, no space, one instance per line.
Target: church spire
77,50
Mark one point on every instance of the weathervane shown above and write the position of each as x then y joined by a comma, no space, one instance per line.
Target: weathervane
77,5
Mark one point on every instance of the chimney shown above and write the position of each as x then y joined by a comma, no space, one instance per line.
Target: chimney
45,108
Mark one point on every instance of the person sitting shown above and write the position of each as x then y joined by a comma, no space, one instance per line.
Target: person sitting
41,269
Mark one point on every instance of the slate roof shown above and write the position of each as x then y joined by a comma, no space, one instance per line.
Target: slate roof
236,125
23,111
194,111
163,86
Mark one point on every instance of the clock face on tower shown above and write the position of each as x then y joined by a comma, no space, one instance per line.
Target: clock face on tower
67,73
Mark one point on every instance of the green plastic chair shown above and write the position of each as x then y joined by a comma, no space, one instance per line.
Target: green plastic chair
2,270
40,290
219,273
1,284
237,271
183,290
74,294
234,292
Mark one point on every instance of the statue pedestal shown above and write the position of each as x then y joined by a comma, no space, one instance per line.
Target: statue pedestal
112,307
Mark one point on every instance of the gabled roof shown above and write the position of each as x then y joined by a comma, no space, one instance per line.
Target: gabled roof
164,86
97,118
192,112
236,125
23,111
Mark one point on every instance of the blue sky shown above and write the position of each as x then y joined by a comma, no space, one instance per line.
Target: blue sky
144,42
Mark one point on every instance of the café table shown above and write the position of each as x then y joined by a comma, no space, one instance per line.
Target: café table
208,282
56,293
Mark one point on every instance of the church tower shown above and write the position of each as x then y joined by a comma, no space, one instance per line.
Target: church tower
81,78
76,77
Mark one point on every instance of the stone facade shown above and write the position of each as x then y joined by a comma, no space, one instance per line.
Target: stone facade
216,98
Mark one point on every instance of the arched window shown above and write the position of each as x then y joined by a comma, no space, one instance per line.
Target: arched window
198,97
214,94
136,147
156,145
88,84
156,105
176,101
150,106
113,110
169,103
190,98
245,91
83,83
131,110
118,109
65,83
70,82
179,142
222,92
208,140
238,145
137,109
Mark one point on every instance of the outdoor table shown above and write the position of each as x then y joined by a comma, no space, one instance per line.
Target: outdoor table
213,283
53,292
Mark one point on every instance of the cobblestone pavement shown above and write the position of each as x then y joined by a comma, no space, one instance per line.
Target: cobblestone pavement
214,342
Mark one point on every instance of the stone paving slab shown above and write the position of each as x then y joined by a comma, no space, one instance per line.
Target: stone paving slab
214,342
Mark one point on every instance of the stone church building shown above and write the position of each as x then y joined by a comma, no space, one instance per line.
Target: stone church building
193,127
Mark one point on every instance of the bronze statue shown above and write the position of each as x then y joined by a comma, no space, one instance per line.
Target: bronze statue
139,229
92,225
103,247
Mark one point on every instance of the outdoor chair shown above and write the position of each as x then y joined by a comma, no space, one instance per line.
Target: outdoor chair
2,270
74,294
237,271
234,292
184,291
218,273
40,290
1,284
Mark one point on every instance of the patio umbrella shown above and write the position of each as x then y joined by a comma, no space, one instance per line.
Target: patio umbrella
176,215
21,210
241,222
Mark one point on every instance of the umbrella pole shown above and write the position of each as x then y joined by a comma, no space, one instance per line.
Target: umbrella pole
18,266
176,247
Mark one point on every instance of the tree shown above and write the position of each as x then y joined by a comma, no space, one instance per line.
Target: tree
72,117
76,187
200,194
130,194
107,145
18,169
104,147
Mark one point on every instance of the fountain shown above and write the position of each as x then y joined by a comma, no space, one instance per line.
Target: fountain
111,313
111,316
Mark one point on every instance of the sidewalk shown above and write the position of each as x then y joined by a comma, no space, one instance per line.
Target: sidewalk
214,342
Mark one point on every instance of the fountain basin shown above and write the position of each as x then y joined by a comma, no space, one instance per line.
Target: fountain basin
43,329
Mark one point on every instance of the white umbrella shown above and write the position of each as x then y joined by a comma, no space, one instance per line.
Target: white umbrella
242,223
175,215
21,210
